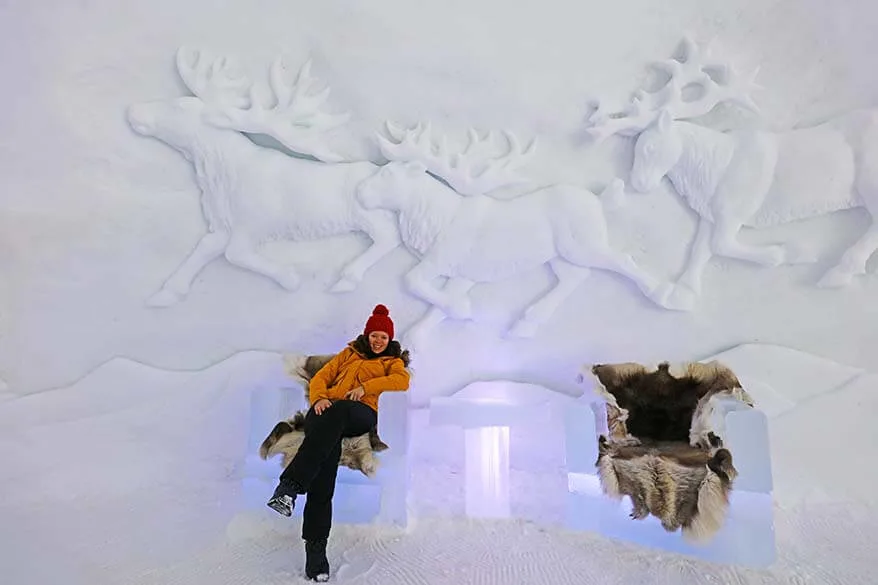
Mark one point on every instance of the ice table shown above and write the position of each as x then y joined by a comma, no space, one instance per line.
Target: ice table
486,411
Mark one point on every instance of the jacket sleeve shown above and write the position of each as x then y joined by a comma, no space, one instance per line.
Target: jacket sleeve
325,377
396,380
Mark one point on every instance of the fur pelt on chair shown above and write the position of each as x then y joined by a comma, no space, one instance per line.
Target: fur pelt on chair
663,451
356,452
286,437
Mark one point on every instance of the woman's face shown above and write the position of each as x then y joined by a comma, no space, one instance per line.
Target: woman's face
378,341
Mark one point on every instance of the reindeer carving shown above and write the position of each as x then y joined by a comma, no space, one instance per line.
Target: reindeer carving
460,232
250,194
747,178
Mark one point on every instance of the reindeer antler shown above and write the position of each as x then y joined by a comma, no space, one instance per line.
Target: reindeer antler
212,80
464,171
296,119
719,82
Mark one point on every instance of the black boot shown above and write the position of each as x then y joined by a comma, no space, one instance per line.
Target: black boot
282,501
316,563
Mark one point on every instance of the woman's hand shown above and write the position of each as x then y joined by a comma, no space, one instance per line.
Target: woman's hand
321,405
356,393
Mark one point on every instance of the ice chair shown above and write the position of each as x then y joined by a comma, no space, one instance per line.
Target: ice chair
358,499
747,535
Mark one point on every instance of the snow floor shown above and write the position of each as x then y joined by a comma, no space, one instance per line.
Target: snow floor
129,477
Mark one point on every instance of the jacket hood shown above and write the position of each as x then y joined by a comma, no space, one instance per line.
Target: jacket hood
394,349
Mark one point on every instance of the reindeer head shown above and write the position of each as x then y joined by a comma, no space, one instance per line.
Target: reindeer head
174,122
695,85
656,151
180,120
227,100
388,188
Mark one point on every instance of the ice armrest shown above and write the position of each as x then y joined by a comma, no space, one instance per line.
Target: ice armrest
393,471
582,428
393,420
746,436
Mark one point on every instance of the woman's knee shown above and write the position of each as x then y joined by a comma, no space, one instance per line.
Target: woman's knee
363,417
316,421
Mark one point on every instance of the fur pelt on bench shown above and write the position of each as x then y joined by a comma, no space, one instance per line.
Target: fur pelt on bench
662,450
286,437
356,452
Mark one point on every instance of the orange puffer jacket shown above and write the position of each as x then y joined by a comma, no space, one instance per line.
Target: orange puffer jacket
351,368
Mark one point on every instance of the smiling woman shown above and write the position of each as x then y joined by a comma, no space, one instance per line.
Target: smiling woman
344,403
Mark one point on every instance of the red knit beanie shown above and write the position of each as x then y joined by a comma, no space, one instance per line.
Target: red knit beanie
379,321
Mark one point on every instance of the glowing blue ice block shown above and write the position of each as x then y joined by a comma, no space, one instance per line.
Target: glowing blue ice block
747,536
486,419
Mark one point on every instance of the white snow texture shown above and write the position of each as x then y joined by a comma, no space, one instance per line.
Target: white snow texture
183,201
133,475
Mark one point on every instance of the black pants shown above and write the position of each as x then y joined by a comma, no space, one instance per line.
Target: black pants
314,468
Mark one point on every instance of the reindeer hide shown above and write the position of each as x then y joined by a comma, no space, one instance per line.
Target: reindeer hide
356,452
662,450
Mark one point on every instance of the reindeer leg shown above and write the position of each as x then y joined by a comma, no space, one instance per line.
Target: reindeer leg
242,253
725,243
853,261
699,255
663,294
457,289
569,277
177,286
418,280
639,509
385,238
416,333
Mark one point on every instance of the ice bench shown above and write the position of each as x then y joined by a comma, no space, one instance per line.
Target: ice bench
747,536
358,499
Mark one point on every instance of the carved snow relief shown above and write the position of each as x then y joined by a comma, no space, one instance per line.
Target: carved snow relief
746,178
251,194
444,207
469,237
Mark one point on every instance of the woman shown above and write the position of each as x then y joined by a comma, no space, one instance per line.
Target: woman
344,403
